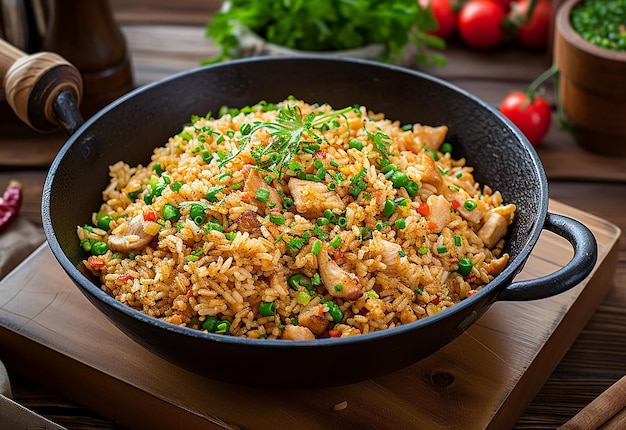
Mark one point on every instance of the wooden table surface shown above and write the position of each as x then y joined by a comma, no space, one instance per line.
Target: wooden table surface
163,41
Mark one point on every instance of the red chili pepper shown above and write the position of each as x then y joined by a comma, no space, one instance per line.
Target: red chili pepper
189,292
95,262
337,254
455,204
334,333
149,216
10,203
435,301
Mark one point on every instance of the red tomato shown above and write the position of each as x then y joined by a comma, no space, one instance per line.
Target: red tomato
506,4
480,23
535,32
445,15
532,118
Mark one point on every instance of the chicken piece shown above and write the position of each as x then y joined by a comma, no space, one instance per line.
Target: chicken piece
440,214
311,199
493,229
430,173
425,136
133,234
495,266
389,252
314,319
431,137
297,332
337,281
254,182
474,215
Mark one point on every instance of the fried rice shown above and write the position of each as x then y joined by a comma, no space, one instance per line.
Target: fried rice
297,221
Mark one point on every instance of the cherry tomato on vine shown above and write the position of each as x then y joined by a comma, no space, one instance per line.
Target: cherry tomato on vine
445,15
532,117
506,4
480,23
535,32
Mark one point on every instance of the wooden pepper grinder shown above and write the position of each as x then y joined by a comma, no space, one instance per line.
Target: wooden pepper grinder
86,34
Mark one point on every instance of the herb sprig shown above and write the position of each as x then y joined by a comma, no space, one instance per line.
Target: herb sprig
287,134
326,25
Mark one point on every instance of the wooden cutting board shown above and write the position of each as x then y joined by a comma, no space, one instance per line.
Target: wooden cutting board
484,379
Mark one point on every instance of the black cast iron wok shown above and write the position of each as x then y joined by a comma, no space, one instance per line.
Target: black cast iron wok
132,126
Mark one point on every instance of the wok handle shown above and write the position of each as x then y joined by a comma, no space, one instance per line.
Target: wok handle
32,85
578,268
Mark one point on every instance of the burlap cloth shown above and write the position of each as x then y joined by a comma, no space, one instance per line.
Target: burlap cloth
17,241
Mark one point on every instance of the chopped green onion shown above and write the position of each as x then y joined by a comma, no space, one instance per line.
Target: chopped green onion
334,164
331,186
318,164
277,219
423,250
222,327
176,186
335,242
262,195
211,194
390,208
267,309
419,291
210,324
457,240
157,169
303,298
317,247
294,281
342,221
335,311
402,253
372,294
170,212
231,235
287,203
465,266
442,249
322,221
197,214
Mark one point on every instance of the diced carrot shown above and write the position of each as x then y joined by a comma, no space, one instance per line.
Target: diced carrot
432,225
149,216
423,208
334,333
96,263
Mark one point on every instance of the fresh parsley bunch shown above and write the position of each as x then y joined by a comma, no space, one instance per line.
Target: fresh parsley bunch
327,25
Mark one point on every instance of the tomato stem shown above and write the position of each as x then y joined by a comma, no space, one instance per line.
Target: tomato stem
539,81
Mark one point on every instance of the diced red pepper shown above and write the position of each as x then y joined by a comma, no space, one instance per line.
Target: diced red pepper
149,216
435,300
337,254
423,208
320,154
125,278
95,262
455,204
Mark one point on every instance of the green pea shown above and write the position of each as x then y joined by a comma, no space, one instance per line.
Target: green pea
104,222
399,179
210,323
99,248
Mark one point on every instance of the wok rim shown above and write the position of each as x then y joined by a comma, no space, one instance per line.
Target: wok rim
488,294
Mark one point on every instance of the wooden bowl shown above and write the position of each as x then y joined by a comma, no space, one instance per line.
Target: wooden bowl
592,84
